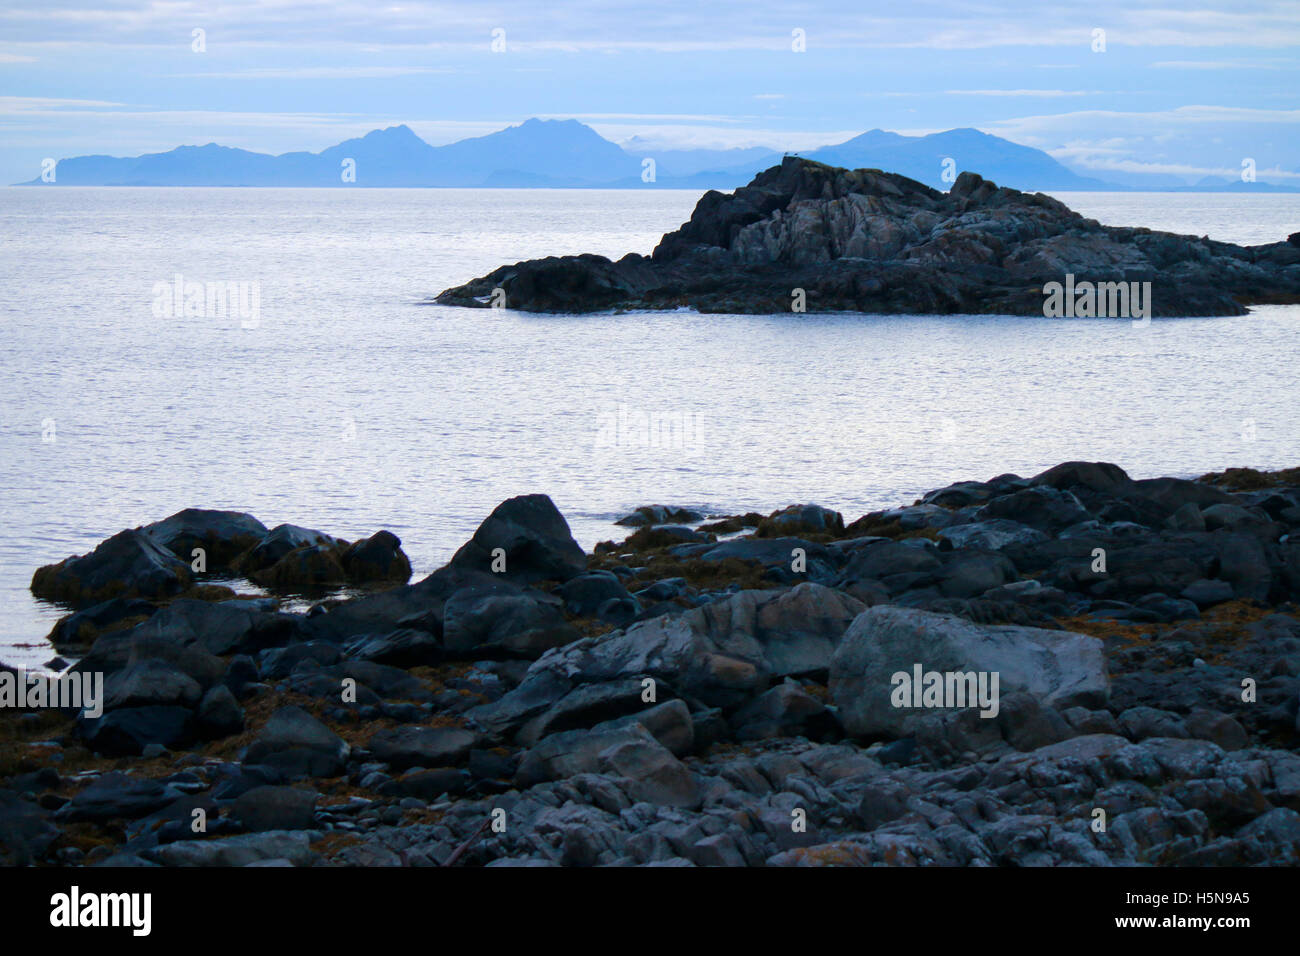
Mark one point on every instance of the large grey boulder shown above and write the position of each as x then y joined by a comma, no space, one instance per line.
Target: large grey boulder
1059,668
722,653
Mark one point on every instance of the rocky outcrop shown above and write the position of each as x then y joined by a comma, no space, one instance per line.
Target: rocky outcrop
869,241
163,559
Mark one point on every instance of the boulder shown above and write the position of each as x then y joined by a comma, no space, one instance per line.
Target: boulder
532,537
223,535
786,710
247,849
416,746
82,627
992,535
403,648
722,653
276,808
1098,476
1206,593
801,519
1041,506
25,830
587,593
219,713
477,624
1059,668
377,558
127,731
659,514
821,562
116,796
151,683
277,543
311,568
652,773
130,564
297,744
221,627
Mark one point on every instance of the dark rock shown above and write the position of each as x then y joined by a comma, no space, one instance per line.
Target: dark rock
659,514
219,713
801,519
377,558
1097,476
406,747
1043,507
297,744
787,710
115,796
583,595
427,785
128,565
312,568
223,535
281,662
869,241
25,831
532,537
151,683
127,731
1204,593
222,627
82,627
276,808
278,543
405,648
519,624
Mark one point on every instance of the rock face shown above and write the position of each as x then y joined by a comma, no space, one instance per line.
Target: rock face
869,241
1057,668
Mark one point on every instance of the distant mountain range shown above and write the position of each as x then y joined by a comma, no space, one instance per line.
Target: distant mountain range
569,154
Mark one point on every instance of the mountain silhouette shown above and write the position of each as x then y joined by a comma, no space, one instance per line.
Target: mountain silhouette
567,153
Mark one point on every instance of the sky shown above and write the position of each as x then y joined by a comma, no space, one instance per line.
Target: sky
1117,90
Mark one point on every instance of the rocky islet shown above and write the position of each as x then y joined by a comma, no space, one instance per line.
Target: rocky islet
804,236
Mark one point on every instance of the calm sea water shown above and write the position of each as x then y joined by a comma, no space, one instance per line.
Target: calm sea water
351,407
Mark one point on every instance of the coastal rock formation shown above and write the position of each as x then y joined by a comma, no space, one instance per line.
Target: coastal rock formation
1144,635
165,558
804,236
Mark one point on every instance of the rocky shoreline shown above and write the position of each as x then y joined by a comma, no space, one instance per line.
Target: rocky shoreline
711,691
804,236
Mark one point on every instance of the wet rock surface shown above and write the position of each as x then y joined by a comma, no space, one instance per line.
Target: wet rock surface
717,702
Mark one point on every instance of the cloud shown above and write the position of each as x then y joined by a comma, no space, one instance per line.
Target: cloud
627,25
319,73
1276,63
1043,93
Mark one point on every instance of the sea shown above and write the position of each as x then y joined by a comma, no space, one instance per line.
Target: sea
329,393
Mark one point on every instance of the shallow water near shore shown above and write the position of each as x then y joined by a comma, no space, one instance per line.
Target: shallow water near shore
351,407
